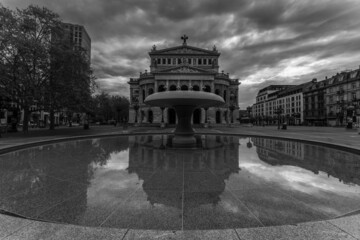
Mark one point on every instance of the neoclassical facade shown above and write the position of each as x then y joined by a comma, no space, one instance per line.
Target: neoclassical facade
183,68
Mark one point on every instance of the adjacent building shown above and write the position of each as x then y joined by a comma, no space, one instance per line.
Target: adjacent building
342,97
333,101
264,110
314,103
183,68
79,37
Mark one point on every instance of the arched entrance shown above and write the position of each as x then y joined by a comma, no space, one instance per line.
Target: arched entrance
196,88
197,116
172,88
171,116
184,88
150,116
207,88
161,88
218,117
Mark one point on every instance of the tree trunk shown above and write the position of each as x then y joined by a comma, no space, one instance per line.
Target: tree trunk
52,119
26,119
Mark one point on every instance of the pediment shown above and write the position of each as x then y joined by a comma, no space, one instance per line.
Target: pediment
184,50
184,69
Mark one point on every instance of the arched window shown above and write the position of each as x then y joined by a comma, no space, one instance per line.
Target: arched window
150,91
161,88
184,88
207,88
172,88
225,95
196,88
143,95
217,92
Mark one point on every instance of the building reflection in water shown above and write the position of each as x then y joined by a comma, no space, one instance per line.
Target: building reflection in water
344,166
167,172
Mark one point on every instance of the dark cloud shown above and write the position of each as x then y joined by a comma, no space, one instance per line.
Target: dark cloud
262,42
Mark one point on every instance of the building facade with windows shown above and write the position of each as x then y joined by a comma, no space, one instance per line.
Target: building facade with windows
314,103
342,98
183,68
79,37
263,111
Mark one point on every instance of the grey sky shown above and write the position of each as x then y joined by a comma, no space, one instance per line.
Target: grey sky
261,42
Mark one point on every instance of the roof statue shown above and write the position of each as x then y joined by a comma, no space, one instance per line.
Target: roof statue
184,38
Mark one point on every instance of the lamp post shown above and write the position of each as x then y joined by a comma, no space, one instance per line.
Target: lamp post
248,110
136,108
232,108
356,105
278,111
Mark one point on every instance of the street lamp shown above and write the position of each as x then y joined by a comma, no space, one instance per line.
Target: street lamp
136,108
232,108
279,111
248,110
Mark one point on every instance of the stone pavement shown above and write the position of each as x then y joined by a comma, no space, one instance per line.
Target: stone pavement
341,228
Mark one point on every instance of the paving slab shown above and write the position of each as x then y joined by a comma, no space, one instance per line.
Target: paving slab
312,230
39,230
349,224
182,235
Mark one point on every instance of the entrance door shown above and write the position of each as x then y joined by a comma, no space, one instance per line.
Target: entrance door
218,117
171,116
150,116
197,116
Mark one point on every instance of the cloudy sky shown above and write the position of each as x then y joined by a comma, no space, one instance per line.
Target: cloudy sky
261,42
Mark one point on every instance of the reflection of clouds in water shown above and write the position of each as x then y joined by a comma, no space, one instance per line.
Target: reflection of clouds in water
110,179
294,178
118,160
230,206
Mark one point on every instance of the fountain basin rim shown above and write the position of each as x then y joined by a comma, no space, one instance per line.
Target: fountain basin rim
36,143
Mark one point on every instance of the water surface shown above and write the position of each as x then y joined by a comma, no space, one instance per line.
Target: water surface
141,182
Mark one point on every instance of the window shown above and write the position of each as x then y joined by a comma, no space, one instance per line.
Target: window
158,61
179,60
210,62
169,61
199,61
163,61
